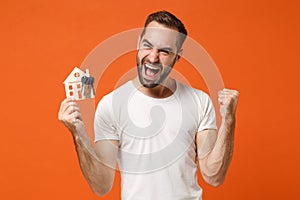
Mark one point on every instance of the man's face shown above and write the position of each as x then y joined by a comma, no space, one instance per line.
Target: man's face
157,54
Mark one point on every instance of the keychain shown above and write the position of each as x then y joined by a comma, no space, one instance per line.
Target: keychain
87,86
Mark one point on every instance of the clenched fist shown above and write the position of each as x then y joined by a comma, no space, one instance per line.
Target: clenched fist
69,114
228,100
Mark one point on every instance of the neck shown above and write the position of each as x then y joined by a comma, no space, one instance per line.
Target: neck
166,89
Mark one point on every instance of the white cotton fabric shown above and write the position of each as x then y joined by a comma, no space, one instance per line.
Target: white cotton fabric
157,150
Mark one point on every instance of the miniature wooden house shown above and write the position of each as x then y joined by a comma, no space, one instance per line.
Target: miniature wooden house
73,84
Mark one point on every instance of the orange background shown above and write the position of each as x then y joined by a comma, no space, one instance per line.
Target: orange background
254,43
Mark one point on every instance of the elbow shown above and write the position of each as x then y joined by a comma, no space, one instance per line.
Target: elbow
101,190
101,185
99,193
214,181
214,175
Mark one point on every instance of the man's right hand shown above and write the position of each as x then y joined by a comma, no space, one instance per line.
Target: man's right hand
69,114
99,176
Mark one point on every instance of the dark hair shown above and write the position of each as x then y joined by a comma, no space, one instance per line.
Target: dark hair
169,20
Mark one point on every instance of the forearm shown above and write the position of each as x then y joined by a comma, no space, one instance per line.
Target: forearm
98,175
215,164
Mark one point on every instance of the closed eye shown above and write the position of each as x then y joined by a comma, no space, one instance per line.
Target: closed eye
146,44
165,51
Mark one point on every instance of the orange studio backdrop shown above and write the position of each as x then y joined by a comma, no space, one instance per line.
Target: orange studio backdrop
254,44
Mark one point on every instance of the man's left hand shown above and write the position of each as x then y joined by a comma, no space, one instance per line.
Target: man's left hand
228,101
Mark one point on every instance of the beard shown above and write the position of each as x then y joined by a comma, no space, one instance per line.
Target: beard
164,73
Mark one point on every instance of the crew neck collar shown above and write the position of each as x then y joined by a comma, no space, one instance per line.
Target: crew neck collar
154,98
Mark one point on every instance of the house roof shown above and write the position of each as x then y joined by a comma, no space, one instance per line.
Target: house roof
75,75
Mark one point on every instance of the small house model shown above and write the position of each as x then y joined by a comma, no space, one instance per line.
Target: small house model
73,84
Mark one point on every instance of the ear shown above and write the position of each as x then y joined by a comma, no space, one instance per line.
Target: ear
179,54
138,43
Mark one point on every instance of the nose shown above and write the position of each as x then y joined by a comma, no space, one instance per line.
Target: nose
153,56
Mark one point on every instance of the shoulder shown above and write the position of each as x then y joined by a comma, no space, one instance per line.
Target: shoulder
116,97
119,92
187,89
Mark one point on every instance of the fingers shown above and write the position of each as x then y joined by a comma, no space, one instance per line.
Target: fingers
226,91
227,99
69,111
73,113
64,104
70,107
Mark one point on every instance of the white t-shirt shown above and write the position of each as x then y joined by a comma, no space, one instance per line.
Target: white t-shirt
157,150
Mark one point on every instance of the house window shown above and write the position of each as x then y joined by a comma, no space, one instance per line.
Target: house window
70,87
71,93
78,86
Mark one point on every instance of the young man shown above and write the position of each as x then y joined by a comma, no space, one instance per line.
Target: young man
157,129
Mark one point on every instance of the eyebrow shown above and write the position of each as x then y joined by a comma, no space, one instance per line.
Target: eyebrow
145,40
164,48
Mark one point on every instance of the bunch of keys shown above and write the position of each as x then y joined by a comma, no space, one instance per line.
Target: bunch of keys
87,87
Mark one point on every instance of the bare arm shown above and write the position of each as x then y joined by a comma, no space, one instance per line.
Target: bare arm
215,150
97,165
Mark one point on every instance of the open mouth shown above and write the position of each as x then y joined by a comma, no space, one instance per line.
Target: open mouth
151,71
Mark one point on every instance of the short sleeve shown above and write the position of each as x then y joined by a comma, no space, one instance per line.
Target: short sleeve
104,124
207,116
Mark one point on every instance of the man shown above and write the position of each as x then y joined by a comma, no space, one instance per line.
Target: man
157,129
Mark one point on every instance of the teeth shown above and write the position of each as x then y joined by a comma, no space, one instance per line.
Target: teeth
150,67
